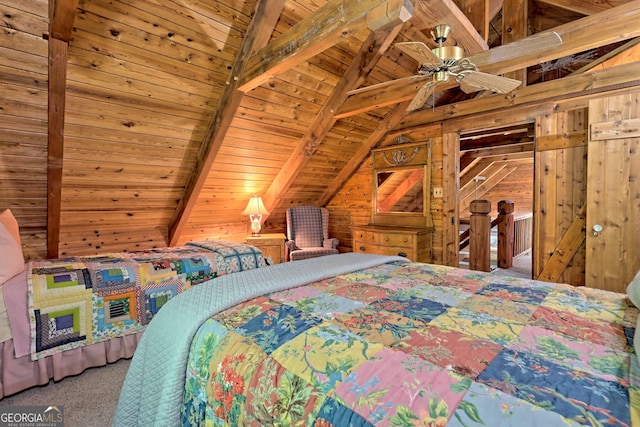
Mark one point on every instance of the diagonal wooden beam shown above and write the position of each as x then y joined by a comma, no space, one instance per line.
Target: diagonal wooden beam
628,52
585,7
62,14
371,51
566,249
478,13
264,20
331,23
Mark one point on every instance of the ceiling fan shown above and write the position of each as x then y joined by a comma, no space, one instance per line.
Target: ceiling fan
439,64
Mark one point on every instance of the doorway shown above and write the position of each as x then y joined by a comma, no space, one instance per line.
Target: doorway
498,164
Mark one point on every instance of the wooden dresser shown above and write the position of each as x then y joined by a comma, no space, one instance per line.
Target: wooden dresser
271,245
413,243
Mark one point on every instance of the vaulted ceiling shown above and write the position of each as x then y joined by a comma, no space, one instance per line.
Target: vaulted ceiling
176,112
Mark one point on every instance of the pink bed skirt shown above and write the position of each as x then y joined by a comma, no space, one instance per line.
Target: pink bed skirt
23,373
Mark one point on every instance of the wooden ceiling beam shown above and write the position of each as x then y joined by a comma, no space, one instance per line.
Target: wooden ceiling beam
335,21
367,57
514,28
585,7
500,150
495,140
62,14
259,32
478,13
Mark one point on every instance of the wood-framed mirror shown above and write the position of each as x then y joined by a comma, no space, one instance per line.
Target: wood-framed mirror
402,184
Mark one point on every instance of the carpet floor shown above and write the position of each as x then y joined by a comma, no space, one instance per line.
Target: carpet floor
88,399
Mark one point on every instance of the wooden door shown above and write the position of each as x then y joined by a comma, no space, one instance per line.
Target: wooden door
613,192
560,188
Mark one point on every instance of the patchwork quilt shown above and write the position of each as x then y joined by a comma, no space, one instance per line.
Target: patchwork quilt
409,344
82,300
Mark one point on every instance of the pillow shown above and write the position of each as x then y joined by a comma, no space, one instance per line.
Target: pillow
11,254
8,220
633,290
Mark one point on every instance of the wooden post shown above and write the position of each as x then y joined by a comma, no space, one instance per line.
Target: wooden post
480,235
506,233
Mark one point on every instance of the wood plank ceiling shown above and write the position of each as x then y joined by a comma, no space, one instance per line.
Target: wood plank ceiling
176,112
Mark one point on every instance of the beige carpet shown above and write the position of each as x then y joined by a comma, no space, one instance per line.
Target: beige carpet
89,399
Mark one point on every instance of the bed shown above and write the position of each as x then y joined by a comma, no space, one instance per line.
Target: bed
359,340
61,316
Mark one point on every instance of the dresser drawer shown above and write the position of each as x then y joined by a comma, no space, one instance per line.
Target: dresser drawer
380,250
366,236
396,239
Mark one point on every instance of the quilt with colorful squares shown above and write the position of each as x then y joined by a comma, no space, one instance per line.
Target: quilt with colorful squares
81,300
408,344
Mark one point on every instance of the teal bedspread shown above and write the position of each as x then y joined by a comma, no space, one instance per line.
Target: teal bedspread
153,387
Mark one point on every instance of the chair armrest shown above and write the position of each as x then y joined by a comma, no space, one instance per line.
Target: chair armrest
330,243
291,245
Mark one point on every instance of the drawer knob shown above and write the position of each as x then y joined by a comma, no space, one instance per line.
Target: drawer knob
363,249
403,254
386,239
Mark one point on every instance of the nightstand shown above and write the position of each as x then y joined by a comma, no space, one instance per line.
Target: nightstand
271,245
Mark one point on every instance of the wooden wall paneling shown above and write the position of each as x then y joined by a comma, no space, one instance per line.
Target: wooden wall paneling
148,32
613,257
351,206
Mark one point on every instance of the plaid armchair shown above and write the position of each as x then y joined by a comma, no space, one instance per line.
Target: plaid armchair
308,233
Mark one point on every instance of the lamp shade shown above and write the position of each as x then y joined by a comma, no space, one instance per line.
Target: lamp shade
255,207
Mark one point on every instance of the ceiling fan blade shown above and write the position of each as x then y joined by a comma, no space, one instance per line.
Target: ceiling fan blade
407,80
422,96
420,52
532,44
474,81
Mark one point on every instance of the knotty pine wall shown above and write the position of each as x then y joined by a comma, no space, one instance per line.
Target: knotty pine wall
23,119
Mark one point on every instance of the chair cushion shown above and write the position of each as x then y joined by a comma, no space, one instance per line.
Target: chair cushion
307,221
311,253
